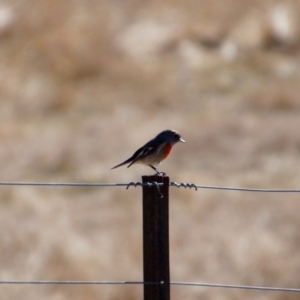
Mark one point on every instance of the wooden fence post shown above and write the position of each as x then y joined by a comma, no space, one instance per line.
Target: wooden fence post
156,238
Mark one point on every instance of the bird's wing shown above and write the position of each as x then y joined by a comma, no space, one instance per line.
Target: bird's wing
141,153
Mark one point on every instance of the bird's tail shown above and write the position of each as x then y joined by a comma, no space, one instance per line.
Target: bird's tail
123,163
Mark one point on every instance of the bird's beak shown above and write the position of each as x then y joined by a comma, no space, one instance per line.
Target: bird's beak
182,140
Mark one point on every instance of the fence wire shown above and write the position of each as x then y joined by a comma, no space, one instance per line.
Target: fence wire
156,184
178,283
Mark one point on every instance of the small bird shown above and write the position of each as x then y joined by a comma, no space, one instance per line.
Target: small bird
155,151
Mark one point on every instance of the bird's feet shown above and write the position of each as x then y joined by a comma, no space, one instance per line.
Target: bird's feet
163,174
159,173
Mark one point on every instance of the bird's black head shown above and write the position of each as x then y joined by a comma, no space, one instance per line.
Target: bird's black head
172,136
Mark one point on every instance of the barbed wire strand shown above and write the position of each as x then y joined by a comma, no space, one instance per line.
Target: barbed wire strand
210,285
213,187
156,184
73,282
76,184
79,184
235,286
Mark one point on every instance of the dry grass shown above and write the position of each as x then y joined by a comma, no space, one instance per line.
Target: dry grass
84,83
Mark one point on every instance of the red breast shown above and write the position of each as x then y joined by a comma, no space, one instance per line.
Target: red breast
166,150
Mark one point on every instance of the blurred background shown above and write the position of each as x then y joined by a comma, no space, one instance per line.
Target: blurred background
85,83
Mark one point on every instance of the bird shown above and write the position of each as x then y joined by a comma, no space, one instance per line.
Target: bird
154,151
